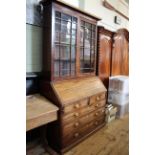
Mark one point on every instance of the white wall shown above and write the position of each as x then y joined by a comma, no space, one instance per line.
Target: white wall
96,7
33,48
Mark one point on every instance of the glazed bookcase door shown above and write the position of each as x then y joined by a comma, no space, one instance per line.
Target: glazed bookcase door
65,45
87,47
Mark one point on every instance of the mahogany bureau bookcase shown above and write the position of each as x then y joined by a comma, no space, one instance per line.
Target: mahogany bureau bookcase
68,77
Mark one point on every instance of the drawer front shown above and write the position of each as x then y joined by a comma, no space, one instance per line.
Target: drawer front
76,106
82,131
97,98
84,103
80,112
79,122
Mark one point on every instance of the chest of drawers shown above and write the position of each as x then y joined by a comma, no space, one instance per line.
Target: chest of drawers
82,110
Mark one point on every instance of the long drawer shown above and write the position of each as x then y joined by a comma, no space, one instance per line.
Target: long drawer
79,122
84,110
82,131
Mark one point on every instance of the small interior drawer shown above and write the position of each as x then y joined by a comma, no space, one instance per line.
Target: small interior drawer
98,97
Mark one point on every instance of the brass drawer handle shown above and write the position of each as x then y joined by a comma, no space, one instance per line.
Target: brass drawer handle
76,124
76,114
98,98
97,105
96,114
76,134
77,106
87,116
96,123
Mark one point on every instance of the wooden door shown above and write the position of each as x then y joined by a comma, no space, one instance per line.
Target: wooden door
120,53
104,54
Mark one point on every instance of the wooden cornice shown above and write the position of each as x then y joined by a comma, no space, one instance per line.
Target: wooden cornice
109,6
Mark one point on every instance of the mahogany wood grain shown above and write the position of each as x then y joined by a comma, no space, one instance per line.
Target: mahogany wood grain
82,131
104,54
80,97
83,120
120,53
77,94
76,114
73,90
113,54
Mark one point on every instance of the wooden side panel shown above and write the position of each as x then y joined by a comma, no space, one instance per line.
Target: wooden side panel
47,39
104,54
120,53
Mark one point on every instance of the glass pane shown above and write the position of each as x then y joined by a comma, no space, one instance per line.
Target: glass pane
87,55
73,41
64,52
85,65
56,68
73,60
74,19
65,68
74,26
93,43
73,37
87,33
65,38
66,17
57,24
88,25
58,14
82,23
81,36
57,30
65,32
56,53
73,52
87,43
65,60
93,34
93,27
57,36
65,27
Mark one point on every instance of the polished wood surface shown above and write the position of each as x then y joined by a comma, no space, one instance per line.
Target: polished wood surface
39,111
73,90
104,54
81,103
120,53
76,91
